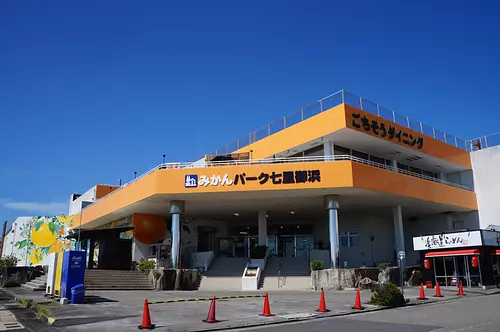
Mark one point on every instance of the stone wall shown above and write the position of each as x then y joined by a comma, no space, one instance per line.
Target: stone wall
338,279
189,279
333,279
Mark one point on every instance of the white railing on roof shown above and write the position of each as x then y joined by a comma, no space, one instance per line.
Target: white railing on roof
484,142
335,99
170,166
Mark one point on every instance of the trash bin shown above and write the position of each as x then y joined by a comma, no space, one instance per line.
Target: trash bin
77,294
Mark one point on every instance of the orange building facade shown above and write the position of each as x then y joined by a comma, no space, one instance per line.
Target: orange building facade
343,180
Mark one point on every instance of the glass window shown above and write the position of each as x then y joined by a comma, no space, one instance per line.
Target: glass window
344,240
300,154
415,170
353,239
340,150
349,239
427,173
359,154
402,166
377,159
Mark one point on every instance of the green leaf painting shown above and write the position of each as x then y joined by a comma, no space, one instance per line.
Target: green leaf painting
39,224
21,244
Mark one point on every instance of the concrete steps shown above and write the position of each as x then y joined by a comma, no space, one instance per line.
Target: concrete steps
283,273
211,283
96,279
224,274
37,284
227,267
272,283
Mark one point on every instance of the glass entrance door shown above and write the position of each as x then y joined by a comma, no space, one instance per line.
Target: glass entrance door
450,270
286,246
303,245
250,243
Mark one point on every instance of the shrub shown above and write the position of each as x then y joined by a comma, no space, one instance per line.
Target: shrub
9,261
383,266
25,302
41,312
259,252
387,295
317,265
146,265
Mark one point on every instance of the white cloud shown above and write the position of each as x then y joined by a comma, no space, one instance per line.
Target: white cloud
52,208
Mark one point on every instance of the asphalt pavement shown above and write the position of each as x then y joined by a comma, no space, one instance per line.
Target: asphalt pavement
478,314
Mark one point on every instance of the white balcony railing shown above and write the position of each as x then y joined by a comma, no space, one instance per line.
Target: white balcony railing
335,99
170,166
484,142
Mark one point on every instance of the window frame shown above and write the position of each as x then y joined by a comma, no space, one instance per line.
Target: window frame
349,235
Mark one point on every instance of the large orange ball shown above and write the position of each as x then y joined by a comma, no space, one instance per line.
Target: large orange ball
149,229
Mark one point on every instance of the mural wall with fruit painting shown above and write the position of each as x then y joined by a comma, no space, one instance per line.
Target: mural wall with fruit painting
36,237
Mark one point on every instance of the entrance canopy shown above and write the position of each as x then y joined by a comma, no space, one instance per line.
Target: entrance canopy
98,232
447,253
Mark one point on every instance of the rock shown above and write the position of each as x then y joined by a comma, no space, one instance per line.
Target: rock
383,276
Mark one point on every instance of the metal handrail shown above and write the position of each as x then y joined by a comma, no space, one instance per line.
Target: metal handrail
486,141
333,158
335,99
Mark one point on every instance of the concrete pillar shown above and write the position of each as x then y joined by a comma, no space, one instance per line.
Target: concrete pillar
399,236
332,206
328,150
449,220
262,228
176,209
394,164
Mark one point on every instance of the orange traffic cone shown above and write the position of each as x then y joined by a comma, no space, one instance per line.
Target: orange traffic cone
357,302
460,289
211,313
322,302
146,318
438,290
422,293
266,311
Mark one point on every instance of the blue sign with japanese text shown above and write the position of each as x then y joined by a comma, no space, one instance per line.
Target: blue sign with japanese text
73,271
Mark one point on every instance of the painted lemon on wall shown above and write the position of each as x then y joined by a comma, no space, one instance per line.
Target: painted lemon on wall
36,257
149,229
43,237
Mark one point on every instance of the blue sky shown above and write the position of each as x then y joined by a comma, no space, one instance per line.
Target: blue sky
91,91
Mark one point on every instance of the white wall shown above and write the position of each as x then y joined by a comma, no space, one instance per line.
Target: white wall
199,163
76,205
13,236
486,167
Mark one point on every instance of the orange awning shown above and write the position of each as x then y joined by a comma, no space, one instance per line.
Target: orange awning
463,252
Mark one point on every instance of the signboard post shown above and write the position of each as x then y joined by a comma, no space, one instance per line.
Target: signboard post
401,258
